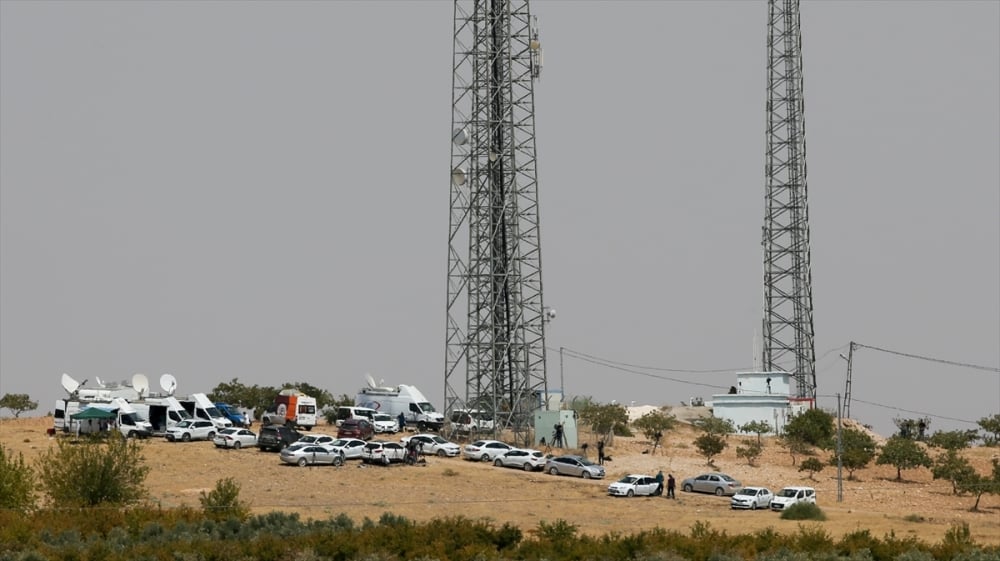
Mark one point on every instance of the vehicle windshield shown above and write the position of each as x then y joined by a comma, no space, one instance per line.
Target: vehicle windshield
628,479
587,462
439,440
297,446
746,492
426,407
213,412
184,424
789,492
339,442
383,417
727,478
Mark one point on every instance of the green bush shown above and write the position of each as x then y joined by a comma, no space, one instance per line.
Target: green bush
17,482
803,511
224,501
94,472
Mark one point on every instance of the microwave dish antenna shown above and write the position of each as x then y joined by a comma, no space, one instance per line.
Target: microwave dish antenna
168,383
370,381
69,384
140,383
100,383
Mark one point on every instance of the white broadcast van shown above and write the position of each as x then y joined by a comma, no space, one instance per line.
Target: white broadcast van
408,400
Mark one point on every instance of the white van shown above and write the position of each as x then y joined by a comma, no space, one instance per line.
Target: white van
408,400
792,495
200,407
348,412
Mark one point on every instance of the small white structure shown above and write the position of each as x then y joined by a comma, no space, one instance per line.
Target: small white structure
760,396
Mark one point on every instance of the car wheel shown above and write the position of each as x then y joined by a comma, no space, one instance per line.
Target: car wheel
237,445
186,437
131,434
687,488
630,493
719,491
498,462
485,457
422,426
211,435
753,505
553,471
385,460
526,466
585,475
302,462
338,461
441,453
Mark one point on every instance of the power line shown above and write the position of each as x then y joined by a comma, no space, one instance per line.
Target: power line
931,359
922,413
580,355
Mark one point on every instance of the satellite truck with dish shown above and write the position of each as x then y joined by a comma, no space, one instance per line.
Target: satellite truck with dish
162,410
293,408
88,410
405,399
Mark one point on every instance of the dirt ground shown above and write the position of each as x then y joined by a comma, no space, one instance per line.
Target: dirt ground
445,487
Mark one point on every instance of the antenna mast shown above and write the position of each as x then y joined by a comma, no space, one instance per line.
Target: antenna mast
788,310
495,333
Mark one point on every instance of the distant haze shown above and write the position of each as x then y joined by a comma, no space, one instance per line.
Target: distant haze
259,190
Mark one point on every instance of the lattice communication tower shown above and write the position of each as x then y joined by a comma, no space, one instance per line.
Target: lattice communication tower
788,311
495,333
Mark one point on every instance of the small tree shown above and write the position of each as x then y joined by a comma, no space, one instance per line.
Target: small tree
604,419
18,403
795,446
653,424
750,450
858,449
954,468
812,465
814,427
979,485
758,427
224,501
95,472
991,425
710,445
17,482
903,453
714,425
952,439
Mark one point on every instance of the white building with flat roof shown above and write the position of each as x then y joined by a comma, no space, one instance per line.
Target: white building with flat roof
760,396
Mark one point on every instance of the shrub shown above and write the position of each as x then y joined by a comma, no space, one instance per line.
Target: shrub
750,450
803,511
710,445
224,501
17,482
812,465
94,472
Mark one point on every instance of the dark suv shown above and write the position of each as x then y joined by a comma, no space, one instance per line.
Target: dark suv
356,428
276,437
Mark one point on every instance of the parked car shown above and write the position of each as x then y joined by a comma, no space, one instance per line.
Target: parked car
191,429
385,423
356,428
235,438
276,437
752,498
323,439
574,465
792,495
311,454
712,482
352,448
485,450
433,444
635,484
379,452
522,458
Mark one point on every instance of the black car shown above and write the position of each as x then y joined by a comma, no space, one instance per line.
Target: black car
275,437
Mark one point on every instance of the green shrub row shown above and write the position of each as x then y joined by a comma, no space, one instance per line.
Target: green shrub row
152,534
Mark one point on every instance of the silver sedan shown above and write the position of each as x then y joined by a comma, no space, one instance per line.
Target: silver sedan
311,454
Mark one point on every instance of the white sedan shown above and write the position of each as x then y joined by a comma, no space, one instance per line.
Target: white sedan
235,438
522,458
324,439
311,454
485,450
752,498
351,448
635,484
432,444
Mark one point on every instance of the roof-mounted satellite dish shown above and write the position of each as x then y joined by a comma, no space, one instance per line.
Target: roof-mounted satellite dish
140,384
100,383
69,384
458,176
168,383
370,381
460,136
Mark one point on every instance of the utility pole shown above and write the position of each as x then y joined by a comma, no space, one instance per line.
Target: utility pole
495,319
788,336
847,391
840,452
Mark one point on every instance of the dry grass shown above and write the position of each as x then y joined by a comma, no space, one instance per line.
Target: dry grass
919,506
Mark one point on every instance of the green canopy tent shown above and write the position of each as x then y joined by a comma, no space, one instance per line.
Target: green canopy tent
92,413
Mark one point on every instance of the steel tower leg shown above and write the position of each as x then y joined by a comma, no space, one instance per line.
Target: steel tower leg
788,311
495,335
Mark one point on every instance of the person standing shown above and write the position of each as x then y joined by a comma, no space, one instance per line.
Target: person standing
659,482
557,436
402,421
670,486
600,452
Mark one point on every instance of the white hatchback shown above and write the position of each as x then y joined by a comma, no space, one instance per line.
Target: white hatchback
485,450
191,429
522,458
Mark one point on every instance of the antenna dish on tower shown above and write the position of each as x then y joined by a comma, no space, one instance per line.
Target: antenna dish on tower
69,384
370,381
100,383
460,136
168,383
140,384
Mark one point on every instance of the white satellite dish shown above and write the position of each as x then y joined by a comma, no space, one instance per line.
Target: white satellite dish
370,380
458,176
69,384
168,383
140,384
100,383
460,136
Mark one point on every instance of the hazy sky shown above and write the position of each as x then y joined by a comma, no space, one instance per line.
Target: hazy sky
260,190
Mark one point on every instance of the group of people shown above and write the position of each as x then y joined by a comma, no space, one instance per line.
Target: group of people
671,484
